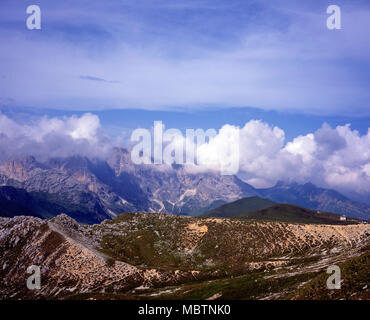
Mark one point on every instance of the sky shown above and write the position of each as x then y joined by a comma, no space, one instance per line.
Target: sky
99,69
166,54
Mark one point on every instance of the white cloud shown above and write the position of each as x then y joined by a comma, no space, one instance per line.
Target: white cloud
337,158
53,137
304,146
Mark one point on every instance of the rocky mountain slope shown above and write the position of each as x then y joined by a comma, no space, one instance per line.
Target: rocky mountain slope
78,193
93,190
177,190
148,256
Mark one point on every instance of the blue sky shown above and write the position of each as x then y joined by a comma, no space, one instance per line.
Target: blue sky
122,122
187,55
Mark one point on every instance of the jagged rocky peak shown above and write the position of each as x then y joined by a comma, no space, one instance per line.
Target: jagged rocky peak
65,221
119,159
72,163
27,162
19,167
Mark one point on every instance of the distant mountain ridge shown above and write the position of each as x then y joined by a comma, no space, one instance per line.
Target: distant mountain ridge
315,198
92,190
291,213
263,209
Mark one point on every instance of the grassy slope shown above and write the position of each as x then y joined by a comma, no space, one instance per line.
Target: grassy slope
263,209
241,206
355,285
156,242
355,275
167,242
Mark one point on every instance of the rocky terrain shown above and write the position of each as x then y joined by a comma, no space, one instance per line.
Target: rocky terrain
150,256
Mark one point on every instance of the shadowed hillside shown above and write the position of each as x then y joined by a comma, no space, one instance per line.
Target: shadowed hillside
264,209
294,214
239,207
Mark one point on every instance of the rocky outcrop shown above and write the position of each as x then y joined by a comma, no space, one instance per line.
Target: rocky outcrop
69,264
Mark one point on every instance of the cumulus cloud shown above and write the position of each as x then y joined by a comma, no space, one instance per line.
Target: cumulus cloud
338,157
53,137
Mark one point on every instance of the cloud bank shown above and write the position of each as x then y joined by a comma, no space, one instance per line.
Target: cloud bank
338,158
53,137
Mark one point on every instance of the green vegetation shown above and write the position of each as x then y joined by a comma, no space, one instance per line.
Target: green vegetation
247,287
355,274
168,242
241,206
206,244
191,208
149,241
264,209
254,286
237,258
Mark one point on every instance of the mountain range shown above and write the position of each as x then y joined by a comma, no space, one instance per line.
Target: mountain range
312,197
92,190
